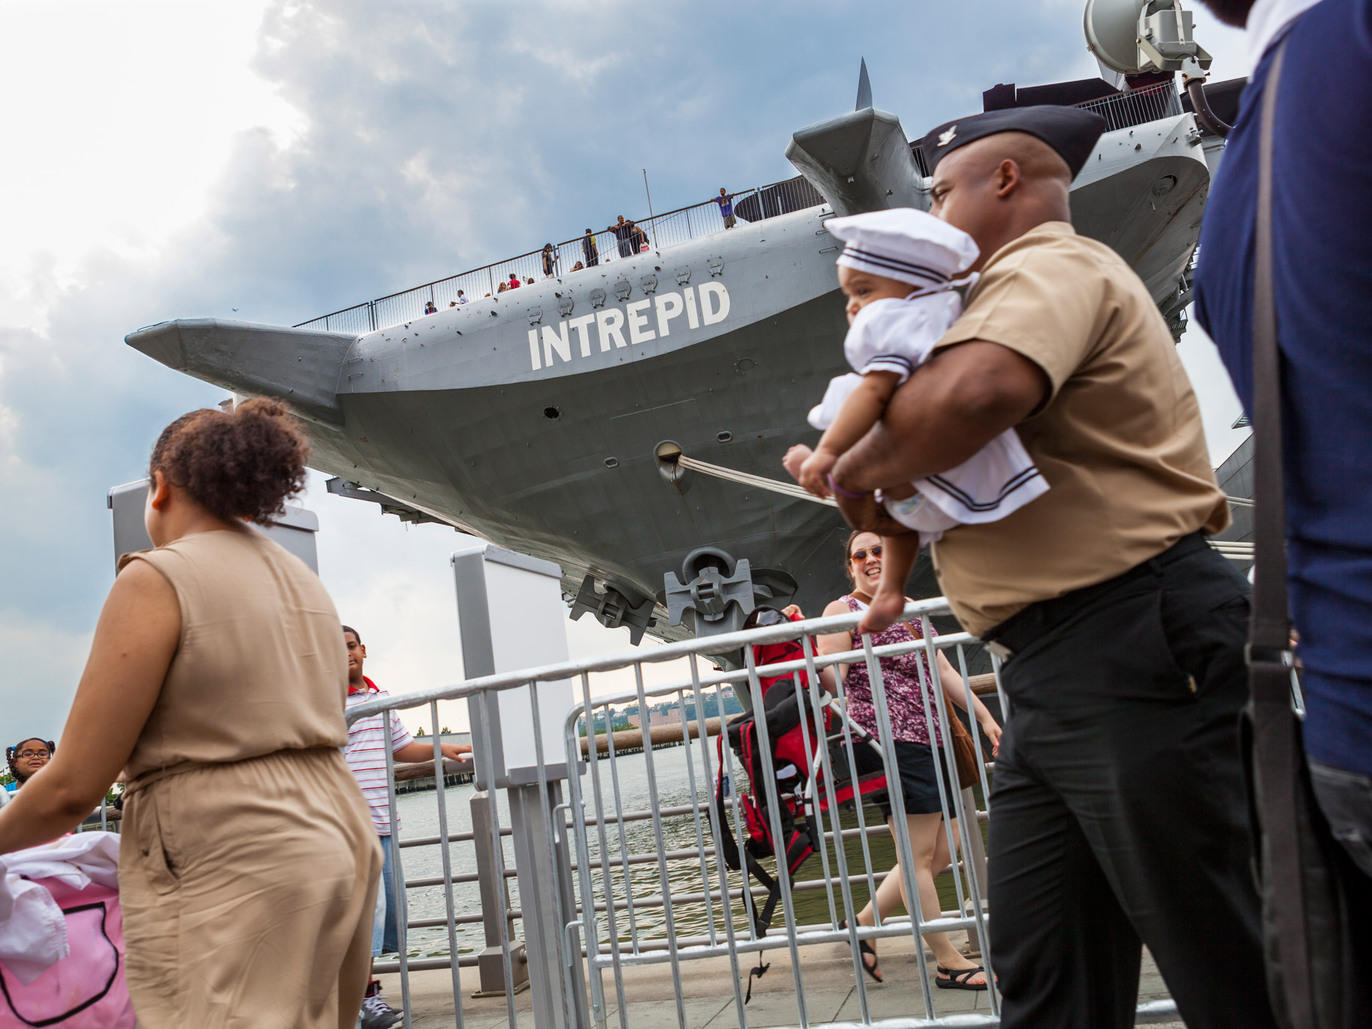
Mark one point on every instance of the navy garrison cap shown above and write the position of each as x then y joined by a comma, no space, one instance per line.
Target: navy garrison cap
1070,131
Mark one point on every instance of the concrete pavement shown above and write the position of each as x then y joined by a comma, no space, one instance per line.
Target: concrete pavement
708,1002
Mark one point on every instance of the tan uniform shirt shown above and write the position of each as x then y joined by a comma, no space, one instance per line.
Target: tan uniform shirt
261,665
1119,440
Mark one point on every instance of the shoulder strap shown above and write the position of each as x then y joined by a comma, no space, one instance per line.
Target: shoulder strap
1271,623
1275,733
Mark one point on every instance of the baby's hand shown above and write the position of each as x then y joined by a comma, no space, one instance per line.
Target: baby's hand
814,473
795,457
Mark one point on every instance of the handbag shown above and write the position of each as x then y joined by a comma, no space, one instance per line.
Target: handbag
964,750
1316,904
85,989
965,753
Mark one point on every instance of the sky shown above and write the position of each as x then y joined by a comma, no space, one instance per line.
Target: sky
272,161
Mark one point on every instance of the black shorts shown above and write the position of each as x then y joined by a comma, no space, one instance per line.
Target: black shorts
915,764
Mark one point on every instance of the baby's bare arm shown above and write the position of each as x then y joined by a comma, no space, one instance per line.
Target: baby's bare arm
863,409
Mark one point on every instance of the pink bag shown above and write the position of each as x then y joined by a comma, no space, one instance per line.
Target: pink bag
86,989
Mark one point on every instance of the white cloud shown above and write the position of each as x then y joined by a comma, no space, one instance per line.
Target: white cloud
123,113
42,666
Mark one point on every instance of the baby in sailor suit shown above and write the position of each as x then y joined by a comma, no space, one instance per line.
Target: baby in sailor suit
899,271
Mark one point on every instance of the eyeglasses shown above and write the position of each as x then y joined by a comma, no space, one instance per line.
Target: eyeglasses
861,555
35,753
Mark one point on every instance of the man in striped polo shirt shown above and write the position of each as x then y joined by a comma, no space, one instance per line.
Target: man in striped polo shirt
366,756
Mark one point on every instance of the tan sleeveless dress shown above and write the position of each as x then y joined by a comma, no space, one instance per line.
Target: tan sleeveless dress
247,864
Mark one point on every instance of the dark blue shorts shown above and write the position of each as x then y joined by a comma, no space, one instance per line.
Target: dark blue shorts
918,783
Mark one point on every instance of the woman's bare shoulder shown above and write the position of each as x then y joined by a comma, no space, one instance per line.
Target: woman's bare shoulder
837,607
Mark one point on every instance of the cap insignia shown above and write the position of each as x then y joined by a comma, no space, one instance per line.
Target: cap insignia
947,137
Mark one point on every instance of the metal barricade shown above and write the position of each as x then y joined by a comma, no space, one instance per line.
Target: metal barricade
653,928
702,911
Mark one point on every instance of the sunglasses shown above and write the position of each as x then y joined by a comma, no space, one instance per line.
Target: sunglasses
861,555
34,753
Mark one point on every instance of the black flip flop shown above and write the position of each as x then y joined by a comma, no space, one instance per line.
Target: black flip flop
865,947
957,978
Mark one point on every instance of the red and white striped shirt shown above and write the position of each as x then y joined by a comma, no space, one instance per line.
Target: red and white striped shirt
366,754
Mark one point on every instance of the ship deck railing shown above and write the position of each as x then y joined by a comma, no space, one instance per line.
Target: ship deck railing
663,231
1136,106
627,914
666,230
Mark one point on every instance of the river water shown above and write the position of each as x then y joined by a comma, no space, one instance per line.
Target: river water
673,787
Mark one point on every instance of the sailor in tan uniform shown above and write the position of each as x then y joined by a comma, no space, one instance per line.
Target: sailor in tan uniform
1118,806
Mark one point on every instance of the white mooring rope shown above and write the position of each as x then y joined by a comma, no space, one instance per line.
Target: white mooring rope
786,489
1236,549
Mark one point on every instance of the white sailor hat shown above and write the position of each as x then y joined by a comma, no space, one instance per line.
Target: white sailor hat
904,244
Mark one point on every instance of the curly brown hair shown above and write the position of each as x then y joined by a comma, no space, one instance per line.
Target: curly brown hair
239,464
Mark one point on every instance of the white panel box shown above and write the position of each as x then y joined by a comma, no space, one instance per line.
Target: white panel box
512,616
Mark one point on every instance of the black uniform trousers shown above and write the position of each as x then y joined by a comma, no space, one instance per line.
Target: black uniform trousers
1118,813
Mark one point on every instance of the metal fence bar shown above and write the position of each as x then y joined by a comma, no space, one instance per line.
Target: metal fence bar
978,855
718,831
820,748
397,871
695,812
489,732
965,825
840,851
931,685
623,842
563,915
896,799
783,872
856,930
661,847
731,779
588,899
440,793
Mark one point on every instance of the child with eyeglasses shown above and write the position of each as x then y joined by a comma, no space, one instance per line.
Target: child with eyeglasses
26,758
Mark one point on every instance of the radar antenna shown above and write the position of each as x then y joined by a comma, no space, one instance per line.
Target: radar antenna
1136,37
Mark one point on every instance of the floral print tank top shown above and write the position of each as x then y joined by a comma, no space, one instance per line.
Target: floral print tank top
901,676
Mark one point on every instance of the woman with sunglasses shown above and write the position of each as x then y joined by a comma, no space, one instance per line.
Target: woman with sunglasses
902,676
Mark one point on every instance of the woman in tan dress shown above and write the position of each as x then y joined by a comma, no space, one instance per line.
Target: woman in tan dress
216,679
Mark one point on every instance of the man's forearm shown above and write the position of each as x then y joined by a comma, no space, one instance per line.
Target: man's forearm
883,460
947,411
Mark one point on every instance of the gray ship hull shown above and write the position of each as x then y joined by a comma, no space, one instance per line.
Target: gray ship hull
532,418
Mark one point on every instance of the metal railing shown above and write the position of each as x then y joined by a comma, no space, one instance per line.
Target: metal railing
658,232
662,231
634,877
1120,111
1137,106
